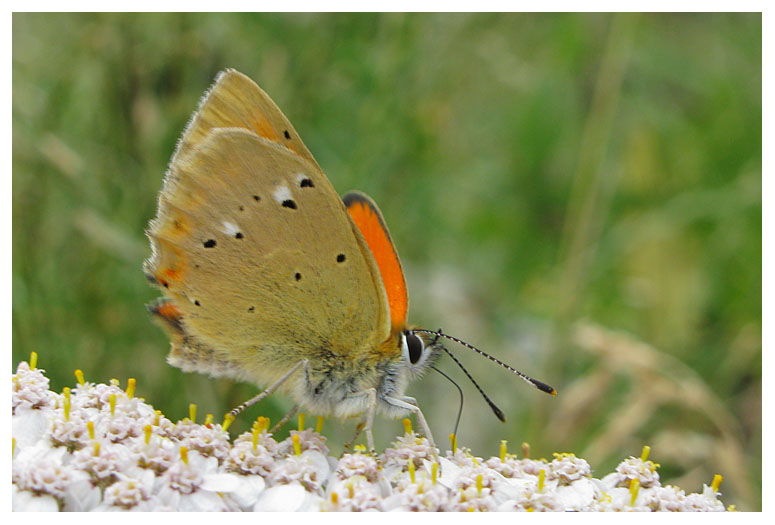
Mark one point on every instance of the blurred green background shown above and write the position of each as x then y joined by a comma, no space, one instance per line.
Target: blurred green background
577,194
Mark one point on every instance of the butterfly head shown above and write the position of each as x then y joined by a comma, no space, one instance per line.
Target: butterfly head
419,351
403,358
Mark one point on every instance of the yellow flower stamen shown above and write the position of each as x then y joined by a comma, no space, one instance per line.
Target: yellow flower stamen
112,399
434,472
263,424
184,454
227,421
79,377
411,471
130,387
360,448
319,424
192,412
157,416
115,382
731,508
255,433
350,489
13,446
33,360
526,450
147,429
301,421
634,489
479,484
541,480
96,448
208,420
335,498
453,442
296,444
644,456
66,393
90,428
504,450
717,479
407,425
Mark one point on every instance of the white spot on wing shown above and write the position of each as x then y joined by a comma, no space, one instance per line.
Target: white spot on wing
300,177
230,229
282,193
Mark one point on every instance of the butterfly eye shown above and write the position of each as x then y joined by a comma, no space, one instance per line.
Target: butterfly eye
413,347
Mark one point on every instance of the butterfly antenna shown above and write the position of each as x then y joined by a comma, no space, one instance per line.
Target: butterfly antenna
535,382
460,391
498,412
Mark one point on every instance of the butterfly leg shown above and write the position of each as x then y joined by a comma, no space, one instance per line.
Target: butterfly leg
349,444
250,402
371,407
284,420
410,403
372,393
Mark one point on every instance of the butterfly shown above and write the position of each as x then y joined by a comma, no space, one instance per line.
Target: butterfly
268,276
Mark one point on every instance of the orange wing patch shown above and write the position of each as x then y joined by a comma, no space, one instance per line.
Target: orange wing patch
369,220
168,316
168,311
265,129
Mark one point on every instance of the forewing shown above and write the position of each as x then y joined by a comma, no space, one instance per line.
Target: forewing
235,101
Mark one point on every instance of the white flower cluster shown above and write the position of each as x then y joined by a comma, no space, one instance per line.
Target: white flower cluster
98,448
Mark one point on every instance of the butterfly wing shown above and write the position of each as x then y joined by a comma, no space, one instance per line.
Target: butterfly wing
367,217
257,257
236,101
